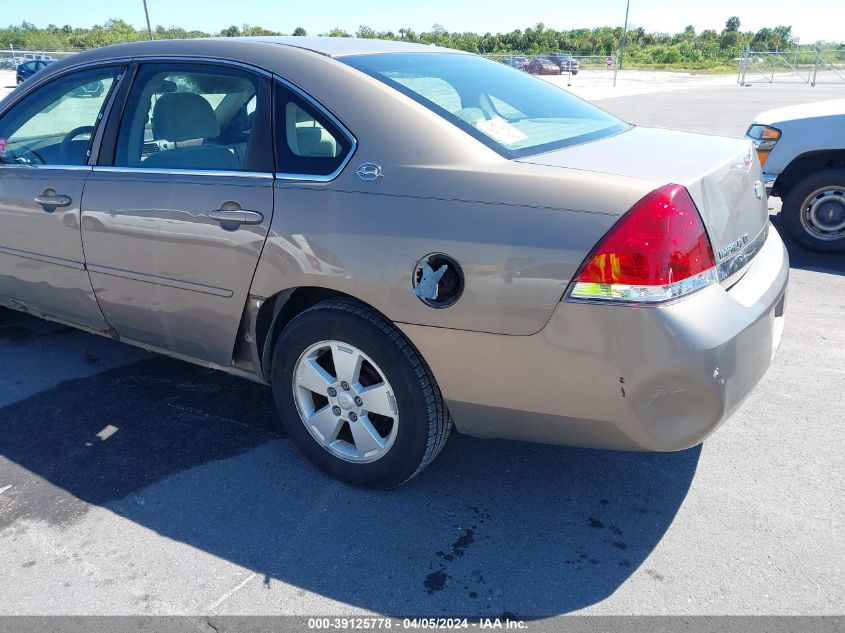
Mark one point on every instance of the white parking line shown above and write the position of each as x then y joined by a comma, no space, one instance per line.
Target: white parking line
230,593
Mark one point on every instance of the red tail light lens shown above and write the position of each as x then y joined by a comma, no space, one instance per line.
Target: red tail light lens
658,251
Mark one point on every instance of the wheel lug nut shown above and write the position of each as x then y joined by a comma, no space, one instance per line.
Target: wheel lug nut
336,410
353,417
332,392
345,385
358,401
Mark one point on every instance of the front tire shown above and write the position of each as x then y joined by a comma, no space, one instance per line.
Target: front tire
356,397
814,211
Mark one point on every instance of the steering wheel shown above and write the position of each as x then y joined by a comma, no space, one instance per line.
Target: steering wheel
64,148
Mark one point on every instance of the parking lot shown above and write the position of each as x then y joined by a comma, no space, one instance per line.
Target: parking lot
135,484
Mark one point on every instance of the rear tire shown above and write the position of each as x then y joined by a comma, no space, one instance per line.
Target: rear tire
323,403
814,211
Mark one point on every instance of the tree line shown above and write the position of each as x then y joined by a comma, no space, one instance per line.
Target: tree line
688,49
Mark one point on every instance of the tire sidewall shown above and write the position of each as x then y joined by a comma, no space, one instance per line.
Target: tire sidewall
408,450
793,207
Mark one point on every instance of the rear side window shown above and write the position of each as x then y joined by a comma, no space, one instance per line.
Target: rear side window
190,116
507,110
309,143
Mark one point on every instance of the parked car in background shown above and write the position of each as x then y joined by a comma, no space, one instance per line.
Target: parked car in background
802,150
31,56
10,63
566,63
395,238
542,66
28,69
515,61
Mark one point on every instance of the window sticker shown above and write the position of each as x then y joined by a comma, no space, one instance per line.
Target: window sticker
502,131
4,147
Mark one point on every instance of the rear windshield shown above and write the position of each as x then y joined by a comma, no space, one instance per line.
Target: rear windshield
508,110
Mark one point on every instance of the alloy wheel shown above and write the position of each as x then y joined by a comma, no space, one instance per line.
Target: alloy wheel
345,401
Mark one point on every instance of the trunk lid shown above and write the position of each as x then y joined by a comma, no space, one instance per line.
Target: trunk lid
722,175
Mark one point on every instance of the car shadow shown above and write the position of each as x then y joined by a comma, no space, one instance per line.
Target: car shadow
800,257
492,527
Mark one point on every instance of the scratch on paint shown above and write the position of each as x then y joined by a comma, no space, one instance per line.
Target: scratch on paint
663,391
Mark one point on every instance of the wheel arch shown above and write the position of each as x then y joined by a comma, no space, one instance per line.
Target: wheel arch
806,164
278,310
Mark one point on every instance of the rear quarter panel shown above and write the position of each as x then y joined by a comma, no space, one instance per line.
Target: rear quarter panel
519,231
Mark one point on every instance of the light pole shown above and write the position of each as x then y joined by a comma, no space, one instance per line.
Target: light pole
147,14
624,34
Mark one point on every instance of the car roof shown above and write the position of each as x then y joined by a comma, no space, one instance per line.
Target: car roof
236,46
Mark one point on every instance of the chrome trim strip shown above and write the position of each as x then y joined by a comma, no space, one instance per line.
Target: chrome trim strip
45,166
47,259
182,172
202,59
736,262
345,130
160,281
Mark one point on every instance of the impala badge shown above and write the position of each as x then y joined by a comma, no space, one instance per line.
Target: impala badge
369,171
734,247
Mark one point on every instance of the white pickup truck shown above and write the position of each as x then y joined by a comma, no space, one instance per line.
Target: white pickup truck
802,150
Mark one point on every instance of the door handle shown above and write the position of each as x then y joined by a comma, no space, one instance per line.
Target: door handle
236,216
53,201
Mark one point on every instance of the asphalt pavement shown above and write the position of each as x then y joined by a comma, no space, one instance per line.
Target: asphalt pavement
136,484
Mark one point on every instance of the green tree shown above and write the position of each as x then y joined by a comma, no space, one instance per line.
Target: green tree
300,32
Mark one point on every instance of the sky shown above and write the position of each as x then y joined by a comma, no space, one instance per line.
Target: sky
817,20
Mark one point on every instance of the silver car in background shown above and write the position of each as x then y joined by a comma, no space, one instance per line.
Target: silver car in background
396,238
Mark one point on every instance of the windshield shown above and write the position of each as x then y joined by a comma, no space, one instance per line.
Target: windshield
507,110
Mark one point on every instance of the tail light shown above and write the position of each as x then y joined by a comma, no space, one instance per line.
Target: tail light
764,138
657,251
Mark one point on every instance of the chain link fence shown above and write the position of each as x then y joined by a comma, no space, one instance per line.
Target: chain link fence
798,66
569,65
9,59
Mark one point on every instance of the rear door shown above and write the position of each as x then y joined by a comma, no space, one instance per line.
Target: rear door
176,212
44,144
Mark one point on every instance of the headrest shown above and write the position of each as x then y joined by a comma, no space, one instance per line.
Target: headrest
181,116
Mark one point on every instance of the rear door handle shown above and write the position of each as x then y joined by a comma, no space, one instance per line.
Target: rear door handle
53,201
236,216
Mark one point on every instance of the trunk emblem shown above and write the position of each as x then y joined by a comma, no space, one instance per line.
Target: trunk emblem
733,247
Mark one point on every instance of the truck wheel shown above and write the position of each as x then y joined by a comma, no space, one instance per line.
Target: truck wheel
814,211
356,397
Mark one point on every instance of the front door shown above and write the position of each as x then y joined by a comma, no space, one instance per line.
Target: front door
44,144
173,224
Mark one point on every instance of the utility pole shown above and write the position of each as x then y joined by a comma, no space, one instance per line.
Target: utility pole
147,14
624,34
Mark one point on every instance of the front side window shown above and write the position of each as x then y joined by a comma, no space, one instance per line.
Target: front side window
308,143
54,124
190,116
509,111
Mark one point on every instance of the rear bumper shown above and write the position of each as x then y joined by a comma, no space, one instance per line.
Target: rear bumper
631,378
